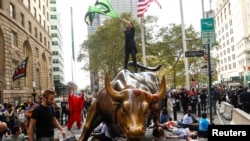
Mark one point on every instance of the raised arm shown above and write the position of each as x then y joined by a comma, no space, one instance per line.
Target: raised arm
128,24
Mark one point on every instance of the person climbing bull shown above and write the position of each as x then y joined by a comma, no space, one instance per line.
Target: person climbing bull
130,45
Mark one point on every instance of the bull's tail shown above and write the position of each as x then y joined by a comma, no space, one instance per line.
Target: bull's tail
144,68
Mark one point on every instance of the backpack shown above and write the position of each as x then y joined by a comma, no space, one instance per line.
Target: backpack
21,117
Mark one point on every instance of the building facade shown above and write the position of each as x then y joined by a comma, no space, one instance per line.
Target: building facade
57,49
24,32
232,23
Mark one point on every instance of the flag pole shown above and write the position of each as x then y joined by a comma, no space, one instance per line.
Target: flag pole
143,43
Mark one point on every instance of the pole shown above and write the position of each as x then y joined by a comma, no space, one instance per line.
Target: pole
209,82
202,5
184,47
143,43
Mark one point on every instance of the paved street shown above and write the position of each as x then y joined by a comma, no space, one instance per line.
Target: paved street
77,132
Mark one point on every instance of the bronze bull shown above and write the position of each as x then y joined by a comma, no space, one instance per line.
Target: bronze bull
125,104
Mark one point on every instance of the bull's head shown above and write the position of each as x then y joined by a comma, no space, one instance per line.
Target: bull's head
133,111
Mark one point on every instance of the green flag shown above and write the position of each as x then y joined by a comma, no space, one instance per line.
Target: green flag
101,7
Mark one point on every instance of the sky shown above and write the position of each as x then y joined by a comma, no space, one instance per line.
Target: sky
169,13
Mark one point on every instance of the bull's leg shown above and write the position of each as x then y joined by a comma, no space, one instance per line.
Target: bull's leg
92,121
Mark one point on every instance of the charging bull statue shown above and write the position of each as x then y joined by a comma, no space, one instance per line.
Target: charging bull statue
124,105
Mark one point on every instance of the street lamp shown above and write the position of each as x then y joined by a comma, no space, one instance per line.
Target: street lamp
184,47
34,90
34,86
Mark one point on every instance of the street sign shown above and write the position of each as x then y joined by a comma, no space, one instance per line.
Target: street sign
204,68
207,24
199,53
208,37
207,31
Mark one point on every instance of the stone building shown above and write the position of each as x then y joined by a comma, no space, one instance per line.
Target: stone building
25,32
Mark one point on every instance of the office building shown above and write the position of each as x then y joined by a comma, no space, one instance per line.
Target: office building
25,32
233,36
57,49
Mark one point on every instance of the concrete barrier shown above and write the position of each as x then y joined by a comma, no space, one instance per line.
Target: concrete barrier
222,108
240,117
226,110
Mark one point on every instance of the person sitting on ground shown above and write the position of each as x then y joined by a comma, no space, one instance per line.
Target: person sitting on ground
188,121
16,134
164,117
182,133
102,135
203,125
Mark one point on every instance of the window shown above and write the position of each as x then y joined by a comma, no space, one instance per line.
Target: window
41,37
14,66
13,38
232,39
12,10
30,30
229,9
29,4
231,31
53,27
45,42
54,43
43,10
234,65
22,19
39,4
230,22
40,19
225,13
233,56
53,17
53,1
44,24
53,9
35,12
1,5
54,35
35,32
37,52
232,48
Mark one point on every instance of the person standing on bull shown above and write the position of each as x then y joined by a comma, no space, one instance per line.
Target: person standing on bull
130,45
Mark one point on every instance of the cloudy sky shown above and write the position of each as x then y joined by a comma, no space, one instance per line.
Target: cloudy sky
169,13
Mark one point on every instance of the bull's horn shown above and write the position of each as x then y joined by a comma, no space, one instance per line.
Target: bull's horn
161,92
111,92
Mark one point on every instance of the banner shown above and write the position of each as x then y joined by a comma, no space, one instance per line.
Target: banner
101,7
20,71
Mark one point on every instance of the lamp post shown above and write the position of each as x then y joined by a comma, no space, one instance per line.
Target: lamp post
34,90
184,46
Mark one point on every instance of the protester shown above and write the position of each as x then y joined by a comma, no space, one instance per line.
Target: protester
182,133
130,45
16,134
203,125
43,119
76,104
65,110
3,129
103,135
